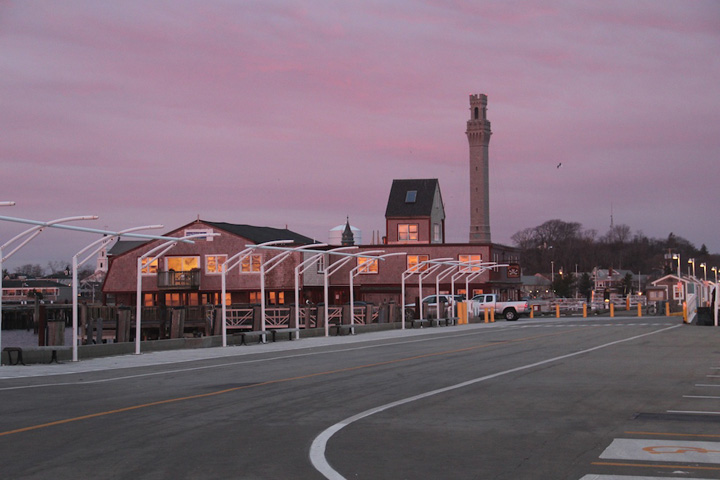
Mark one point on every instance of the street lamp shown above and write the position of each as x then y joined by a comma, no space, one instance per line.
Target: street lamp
691,262
704,267
357,270
715,269
97,245
25,237
153,255
676,256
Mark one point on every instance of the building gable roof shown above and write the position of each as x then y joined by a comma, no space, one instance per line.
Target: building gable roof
261,234
122,246
249,232
402,203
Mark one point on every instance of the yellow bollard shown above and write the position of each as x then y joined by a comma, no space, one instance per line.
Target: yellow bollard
557,310
584,310
532,312
627,303
667,309
492,314
639,310
486,315
461,313
612,310
684,312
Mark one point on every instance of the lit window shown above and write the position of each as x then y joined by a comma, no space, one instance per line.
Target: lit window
276,298
414,260
470,259
251,264
173,300
149,269
182,264
214,263
408,232
148,300
367,265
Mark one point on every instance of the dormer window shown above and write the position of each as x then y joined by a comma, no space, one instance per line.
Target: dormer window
411,196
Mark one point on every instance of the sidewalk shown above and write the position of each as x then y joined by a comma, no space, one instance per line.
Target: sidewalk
196,354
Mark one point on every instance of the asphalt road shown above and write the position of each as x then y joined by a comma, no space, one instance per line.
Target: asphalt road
535,399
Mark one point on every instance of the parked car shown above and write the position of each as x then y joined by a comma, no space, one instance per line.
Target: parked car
509,310
431,300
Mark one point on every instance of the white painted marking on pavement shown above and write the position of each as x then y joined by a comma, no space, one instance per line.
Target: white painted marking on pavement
317,449
663,451
627,477
692,412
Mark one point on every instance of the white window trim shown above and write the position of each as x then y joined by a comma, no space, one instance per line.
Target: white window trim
368,264
421,269
147,266
196,231
469,256
219,266
249,260
409,239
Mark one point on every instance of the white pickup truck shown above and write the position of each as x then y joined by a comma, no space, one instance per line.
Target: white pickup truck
509,310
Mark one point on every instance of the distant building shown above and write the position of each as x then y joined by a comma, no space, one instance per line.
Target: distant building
26,290
415,231
335,235
478,134
415,212
190,274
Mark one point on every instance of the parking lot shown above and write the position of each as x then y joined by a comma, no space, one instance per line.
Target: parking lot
546,398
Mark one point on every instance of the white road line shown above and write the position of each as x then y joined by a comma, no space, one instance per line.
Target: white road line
317,449
702,396
693,412
626,477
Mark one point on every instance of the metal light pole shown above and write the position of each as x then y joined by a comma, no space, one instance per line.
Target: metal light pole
99,244
676,256
355,271
231,263
704,267
24,238
436,264
301,268
329,270
162,248
272,263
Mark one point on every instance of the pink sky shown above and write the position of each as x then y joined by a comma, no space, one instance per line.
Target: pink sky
301,113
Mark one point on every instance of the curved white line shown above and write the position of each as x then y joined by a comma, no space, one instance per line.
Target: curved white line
317,449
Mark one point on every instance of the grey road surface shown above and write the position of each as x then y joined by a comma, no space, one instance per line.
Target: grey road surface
535,399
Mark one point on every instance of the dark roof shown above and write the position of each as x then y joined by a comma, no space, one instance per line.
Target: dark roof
122,246
31,283
401,205
261,234
250,232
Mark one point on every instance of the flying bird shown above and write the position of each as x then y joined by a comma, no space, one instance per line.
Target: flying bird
559,165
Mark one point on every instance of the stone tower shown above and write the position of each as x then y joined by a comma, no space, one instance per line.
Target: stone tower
478,134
